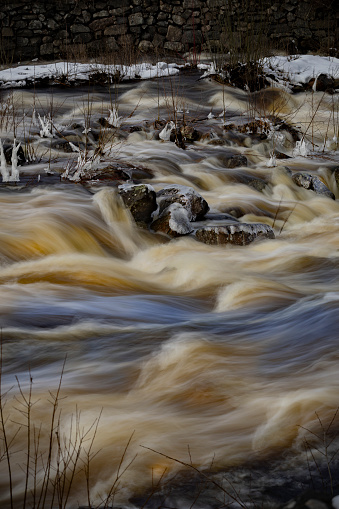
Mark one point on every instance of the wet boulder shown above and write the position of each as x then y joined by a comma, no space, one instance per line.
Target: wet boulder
281,155
176,137
219,142
234,161
239,234
190,134
140,199
308,181
192,201
320,188
104,176
173,221
257,184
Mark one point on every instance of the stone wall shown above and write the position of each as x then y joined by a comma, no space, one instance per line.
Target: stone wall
52,29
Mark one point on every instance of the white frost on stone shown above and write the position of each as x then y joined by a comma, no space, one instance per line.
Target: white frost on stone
181,189
232,229
128,187
186,197
165,134
179,221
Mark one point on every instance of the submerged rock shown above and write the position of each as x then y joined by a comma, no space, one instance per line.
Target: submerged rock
239,234
192,201
313,183
235,161
218,142
281,155
173,221
258,184
140,199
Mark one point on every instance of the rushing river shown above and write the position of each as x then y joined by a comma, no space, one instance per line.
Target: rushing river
225,357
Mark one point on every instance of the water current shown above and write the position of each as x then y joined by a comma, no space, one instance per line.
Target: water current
223,357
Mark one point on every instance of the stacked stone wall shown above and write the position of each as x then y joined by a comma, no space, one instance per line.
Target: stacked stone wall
53,29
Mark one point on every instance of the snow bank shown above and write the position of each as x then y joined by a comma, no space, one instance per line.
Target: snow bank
73,71
301,68
293,68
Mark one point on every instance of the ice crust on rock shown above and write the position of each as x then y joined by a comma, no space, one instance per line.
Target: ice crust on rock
240,233
179,221
130,186
173,221
192,201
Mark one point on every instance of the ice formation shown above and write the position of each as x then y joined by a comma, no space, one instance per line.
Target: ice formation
114,119
165,134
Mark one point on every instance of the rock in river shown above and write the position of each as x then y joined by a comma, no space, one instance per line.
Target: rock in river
313,183
192,201
173,221
240,234
141,201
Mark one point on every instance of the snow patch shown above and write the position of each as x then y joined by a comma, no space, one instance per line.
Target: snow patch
73,71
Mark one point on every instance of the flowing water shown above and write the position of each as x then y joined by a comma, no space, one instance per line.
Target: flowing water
225,357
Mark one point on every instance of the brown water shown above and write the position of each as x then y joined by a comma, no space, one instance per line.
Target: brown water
223,355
